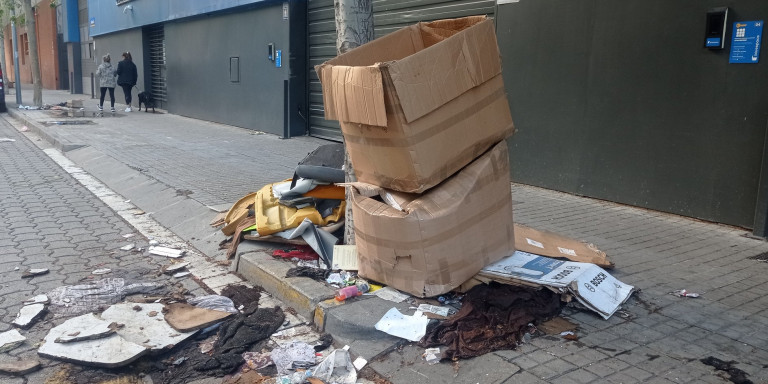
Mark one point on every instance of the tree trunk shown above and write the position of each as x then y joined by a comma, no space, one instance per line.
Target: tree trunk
34,59
3,66
354,27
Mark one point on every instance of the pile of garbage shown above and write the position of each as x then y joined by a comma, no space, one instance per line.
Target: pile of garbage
305,209
432,206
239,334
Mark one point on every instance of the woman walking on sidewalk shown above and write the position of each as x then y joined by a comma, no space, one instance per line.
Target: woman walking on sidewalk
127,76
107,81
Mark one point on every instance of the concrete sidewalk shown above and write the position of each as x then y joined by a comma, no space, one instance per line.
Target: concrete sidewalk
182,171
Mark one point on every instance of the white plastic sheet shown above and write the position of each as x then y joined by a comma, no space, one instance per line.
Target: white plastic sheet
214,302
336,368
411,328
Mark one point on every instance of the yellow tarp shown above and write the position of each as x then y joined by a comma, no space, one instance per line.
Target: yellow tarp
273,217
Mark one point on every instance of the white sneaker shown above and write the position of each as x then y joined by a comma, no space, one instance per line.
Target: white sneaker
101,108
128,109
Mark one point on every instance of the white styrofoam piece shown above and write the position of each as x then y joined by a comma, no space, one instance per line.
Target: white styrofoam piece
89,327
165,251
10,340
28,314
109,352
39,299
156,334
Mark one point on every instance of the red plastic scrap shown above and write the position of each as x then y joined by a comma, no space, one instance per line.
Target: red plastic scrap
301,252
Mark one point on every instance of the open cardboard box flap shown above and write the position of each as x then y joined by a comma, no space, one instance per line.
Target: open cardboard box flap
429,64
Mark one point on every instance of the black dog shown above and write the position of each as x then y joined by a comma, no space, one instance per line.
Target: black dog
146,99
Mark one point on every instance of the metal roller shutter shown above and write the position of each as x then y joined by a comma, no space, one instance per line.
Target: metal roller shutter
155,38
388,16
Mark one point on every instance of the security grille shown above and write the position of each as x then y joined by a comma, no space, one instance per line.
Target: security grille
155,38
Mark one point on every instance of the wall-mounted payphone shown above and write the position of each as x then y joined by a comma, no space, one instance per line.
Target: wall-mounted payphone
271,51
717,19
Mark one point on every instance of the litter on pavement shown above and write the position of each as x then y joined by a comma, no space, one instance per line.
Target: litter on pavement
588,283
359,363
304,209
303,333
492,317
337,367
109,352
173,268
432,215
314,273
39,299
432,355
20,367
34,272
28,314
407,327
10,340
214,302
296,353
437,310
257,360
235,337
143,328
84,298
165,251
345,257
300,252
320,241
553,245
684,293
390,294
186,318
557,326
88,327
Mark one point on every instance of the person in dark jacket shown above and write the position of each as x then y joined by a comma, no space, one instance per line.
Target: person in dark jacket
127,76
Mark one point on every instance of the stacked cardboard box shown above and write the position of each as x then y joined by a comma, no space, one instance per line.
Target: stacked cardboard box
423,111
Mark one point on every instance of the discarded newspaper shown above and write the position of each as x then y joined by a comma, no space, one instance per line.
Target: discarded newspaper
590,284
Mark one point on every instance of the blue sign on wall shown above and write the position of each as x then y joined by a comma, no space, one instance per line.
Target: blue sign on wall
279,58
745,42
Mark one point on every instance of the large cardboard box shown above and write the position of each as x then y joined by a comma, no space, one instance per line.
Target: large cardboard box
419,104
440,238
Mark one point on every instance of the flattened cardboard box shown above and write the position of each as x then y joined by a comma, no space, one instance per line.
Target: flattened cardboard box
553,245
443,237
419,104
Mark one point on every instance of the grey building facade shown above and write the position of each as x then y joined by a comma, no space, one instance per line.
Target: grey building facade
622,101
614,100
235,62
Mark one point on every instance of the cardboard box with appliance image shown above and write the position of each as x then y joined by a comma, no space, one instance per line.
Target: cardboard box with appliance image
428,244
419,104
